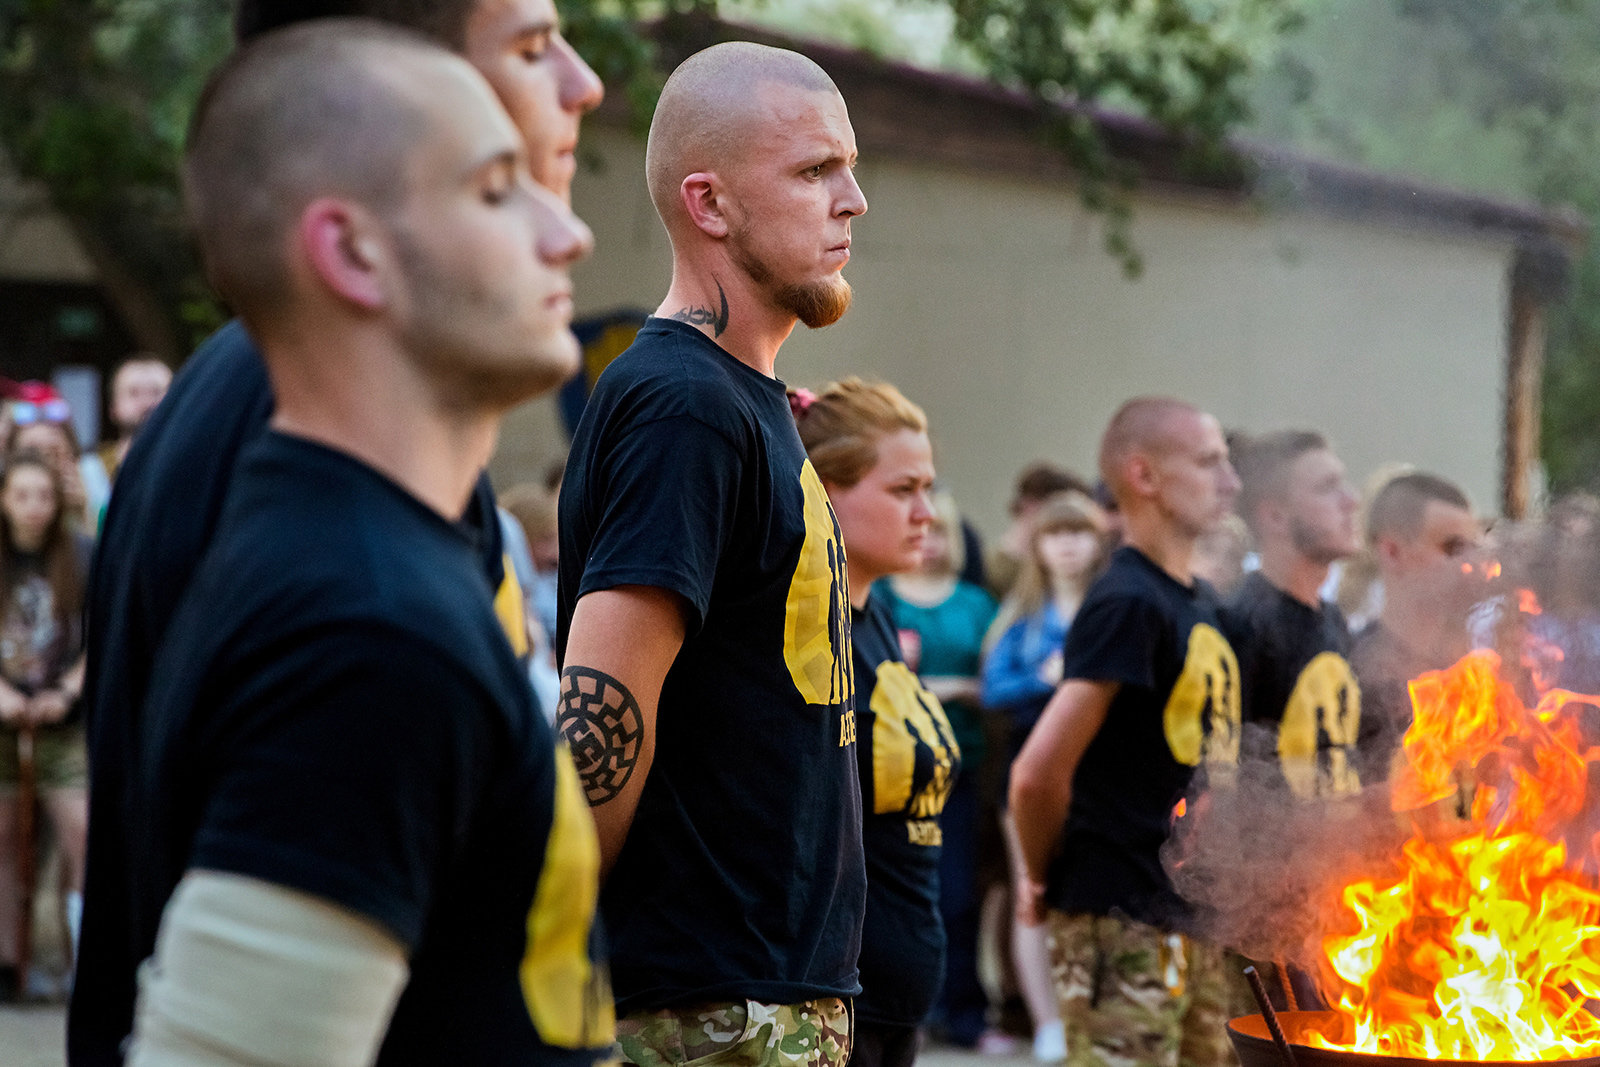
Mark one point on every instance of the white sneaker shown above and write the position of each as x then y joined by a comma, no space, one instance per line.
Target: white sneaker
1050,1042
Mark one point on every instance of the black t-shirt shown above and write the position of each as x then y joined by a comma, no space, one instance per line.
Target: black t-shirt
1298,683
909,759
336,710
742,874
164,508
1385,666
1176,708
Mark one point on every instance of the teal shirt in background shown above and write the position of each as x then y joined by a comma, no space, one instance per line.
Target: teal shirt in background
950,639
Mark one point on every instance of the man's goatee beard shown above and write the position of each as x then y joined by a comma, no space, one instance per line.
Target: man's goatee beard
817,305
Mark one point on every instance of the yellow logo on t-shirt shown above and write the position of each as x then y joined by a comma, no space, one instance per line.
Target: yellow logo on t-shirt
1202,714
816,625
904,715
1326,702
568,995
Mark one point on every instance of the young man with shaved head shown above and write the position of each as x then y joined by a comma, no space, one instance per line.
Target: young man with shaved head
1292,645
1426,540
704,612
357,839
1151,695
176,478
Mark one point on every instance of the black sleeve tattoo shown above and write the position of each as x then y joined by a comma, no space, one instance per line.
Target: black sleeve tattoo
701,316
602,725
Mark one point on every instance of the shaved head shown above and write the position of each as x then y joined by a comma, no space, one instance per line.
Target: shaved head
1146,425
258,154
709,108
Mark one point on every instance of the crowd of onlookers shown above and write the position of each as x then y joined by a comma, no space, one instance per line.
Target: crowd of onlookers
1407,576
53,494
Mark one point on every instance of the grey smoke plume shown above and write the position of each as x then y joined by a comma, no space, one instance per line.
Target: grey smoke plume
1260,865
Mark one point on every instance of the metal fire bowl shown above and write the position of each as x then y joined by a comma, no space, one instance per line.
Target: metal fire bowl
1253,1042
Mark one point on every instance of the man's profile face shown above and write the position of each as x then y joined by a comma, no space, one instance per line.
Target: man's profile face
1321,507
1441,562
1196,483
484,297
544,85
792,194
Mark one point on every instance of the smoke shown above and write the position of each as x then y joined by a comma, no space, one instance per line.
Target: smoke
1263,868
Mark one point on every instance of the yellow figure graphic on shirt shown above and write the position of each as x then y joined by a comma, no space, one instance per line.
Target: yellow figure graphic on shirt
904,716
1202,714
816,625
1326,702
567,994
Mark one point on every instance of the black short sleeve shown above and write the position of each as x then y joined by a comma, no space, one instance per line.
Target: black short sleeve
349,773
670,499
1115,639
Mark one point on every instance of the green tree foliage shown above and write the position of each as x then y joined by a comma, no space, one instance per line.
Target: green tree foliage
1492,95
94,100
95,96
1182,63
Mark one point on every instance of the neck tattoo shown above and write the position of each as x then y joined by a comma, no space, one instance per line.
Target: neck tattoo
704,316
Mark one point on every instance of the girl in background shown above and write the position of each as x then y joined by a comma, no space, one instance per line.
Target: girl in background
1021,670
869,445
44,568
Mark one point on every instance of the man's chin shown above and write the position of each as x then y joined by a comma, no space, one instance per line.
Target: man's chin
818,304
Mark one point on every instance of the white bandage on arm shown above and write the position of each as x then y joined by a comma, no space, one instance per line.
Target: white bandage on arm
247,972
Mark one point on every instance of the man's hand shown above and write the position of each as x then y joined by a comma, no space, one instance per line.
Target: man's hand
1030,902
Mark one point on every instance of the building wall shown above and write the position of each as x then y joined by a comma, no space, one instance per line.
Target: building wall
990,301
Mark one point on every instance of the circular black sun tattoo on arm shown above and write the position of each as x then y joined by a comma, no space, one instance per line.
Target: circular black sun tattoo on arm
604,729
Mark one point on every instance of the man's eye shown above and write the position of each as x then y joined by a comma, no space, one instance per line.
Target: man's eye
534,49
816,171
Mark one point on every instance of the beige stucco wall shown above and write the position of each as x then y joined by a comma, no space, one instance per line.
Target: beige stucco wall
990,302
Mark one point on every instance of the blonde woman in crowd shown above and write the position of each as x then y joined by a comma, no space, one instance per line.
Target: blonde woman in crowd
1021,669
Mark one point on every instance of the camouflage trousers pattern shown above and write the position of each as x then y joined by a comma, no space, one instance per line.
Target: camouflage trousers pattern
815,1033
1135,996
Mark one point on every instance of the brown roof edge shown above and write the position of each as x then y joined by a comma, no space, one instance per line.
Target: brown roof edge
907,112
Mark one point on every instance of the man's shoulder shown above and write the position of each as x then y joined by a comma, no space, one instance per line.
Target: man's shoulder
674,371
328,538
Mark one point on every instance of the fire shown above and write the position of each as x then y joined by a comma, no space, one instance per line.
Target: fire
1485,945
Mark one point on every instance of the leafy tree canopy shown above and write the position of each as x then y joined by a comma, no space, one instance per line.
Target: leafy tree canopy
95,97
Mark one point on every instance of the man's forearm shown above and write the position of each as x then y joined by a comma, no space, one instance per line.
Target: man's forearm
620,644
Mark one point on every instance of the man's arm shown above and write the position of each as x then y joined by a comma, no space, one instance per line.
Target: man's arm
1041,780
620,645
247,972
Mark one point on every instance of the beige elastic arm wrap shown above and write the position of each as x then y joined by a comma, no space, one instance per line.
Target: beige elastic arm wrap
247,972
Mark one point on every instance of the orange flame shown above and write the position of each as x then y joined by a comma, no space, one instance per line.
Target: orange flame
1485,945
1528,602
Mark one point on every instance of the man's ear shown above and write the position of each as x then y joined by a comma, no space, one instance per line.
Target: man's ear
705,202
345,251
1141,475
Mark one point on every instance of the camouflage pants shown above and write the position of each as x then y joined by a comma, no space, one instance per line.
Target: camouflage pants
813,1034
1135,996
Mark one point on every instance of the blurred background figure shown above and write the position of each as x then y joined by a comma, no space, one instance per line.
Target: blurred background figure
1426,541
137,387
1065,553
941,620
533,509
1036,483
1564,573
44,568
1219,555
41,421
870,447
